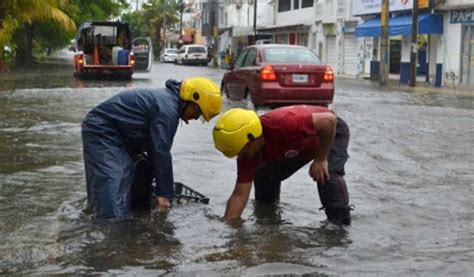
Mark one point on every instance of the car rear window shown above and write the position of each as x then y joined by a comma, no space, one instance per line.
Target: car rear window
196,50
289,55
172,51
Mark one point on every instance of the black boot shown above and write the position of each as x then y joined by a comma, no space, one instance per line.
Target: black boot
339,216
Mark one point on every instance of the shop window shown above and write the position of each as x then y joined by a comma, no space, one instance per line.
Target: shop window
303,39
296,4
281,39
307,3
284,5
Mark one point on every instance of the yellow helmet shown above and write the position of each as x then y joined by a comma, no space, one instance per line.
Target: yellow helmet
205,93
234,129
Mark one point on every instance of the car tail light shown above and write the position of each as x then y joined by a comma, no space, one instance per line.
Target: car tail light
267,73
132,59
79,59
329,74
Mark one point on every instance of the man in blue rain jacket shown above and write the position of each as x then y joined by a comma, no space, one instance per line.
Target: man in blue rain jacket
133,122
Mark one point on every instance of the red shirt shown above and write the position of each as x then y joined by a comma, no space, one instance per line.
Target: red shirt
289,133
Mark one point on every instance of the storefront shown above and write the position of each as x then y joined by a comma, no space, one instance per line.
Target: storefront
465,18
291,34
430,28
457,44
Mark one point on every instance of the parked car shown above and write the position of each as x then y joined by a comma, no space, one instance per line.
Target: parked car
107,48
169,55
192,54
277,75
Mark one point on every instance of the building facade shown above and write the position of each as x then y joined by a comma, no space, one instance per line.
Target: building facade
456,48
429,39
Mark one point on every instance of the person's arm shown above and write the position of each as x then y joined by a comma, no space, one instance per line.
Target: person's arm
237,201
325,126
162,138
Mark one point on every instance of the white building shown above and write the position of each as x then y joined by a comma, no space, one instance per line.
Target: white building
334,39
456,46
237,23
327,26
445,48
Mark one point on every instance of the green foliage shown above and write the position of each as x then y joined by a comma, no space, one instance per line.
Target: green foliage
52,21
136,23
149,21
84,10
50,36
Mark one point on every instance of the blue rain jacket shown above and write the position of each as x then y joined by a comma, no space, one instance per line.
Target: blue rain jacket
129,123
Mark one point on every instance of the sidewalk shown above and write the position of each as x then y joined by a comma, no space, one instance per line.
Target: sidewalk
421,85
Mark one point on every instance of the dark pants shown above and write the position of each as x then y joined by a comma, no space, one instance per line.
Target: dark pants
116,182
333,195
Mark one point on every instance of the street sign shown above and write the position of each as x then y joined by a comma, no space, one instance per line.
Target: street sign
361,7
462,16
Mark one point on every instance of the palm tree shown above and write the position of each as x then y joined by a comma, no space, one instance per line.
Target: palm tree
20,16
154,13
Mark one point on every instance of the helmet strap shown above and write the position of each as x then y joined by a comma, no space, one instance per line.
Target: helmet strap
184,106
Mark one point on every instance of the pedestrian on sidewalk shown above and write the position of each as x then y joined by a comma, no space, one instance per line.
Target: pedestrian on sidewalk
272,147
118,131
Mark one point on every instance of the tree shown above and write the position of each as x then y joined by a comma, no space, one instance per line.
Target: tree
47,24
23,14
136,23
153,13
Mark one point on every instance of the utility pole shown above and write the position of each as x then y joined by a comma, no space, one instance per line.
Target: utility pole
181,8
254,21
215,47
383,78
163,46
414,44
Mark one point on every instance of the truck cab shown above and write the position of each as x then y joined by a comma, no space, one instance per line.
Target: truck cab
107,48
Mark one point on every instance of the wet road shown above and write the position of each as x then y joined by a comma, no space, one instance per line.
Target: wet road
410,177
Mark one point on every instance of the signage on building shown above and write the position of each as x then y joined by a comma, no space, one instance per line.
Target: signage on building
462,16
361,7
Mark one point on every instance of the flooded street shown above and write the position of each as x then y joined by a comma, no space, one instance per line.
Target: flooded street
410,178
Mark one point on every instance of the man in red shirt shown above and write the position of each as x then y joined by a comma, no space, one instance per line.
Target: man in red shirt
272,147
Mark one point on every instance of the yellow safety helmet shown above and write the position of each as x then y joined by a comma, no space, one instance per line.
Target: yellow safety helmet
234,129
205,93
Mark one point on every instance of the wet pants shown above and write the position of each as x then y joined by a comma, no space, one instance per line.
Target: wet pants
333,195
116,182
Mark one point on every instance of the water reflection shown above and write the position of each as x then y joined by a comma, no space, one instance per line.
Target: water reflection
268,238
147,242
407,150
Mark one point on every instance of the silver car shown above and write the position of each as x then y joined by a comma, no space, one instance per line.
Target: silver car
169,55
192,54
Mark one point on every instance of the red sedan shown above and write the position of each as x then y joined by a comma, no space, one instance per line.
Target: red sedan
276,75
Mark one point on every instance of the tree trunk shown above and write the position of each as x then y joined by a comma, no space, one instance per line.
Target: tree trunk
25,54
2,58
157,50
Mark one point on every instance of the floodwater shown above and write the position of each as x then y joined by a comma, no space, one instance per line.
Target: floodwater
410,178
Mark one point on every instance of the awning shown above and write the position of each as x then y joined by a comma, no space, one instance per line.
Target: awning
186,39
427,24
